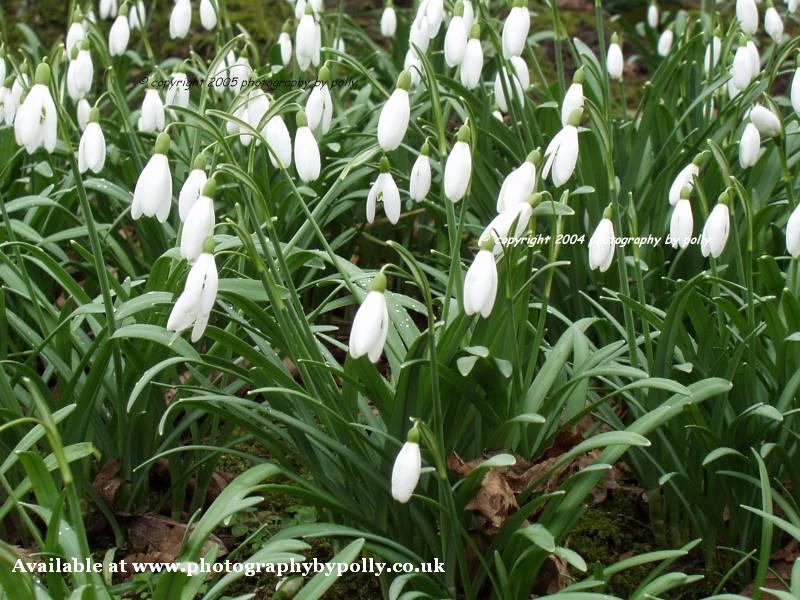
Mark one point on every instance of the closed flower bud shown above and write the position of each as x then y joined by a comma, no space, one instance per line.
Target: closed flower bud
208,14
152,196
652,15
79,75
285,43
681,224
793,233
199,223
766,121
573,99
713,51
521,81
515,29
36,120
108,9
602,245
371,323
393,120
83,110
388,21
561,155
418,34
306,151
518,185
190,191
178,91
193,307
472,64
419,182
75,36
406,470
665,42
795,91
137,15
749,146
742,68
480,283
458,168
747,15
11,102
279,141
152,118
455,40
715,232
614,61
413,65
305,41
773,24
319,106
92,147
181,19
118,36
434,14
685,178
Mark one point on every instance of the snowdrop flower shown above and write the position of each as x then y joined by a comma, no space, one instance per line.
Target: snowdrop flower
480,283
388,20
665,42
152,196
80,72
795,92
178,91
418,34
306,151
285,44
602,243
458,168
747,15
239,72
455,40
2,66
713,51
36,120
685,178
614,60
319,106
12,100
338,45
472,64
279,141
499,230
652,15
152,118
715,232
208,14
393,120
434,13
108,9
194,305
83,111
75,34
137,16
413,65
255,108
742,67
371,323
573,99
519,184
561,154
190,191
119,35
521,82
92,147
407,468
766,121
317,44
515,29
199,223
792,5
419,182
305,40
749,146
469,14
681,223
181,19
793,233
773,24
384,190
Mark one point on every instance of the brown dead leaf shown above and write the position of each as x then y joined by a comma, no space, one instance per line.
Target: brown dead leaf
151,533
553,576
107,482
780,565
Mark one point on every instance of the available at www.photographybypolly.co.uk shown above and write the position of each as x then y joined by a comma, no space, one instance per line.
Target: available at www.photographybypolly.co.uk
400,299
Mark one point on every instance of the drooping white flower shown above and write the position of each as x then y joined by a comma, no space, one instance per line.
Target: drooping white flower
319,106
742,67
614,60
573,99
792,5
285,43
384,190
713,51
749,146
305,40
715,232
239,72
795,92
92,147
682,223
419,182
458,168
499,230
36,120
755,58
180,19
306,151
561,154
393,120
190,191
793,233
773,24
152,118
152,196
665,42
75,35
279,141
684,178
407,468
455,40
80,73
602,244
765,120
137,15
418,34
193,307
747,15
469,14
472,63
108,9
256,108
519,184
515,29
178,91
434,14
12,101
118,36
413,65
83,111
388,21
208,14
480,283
371,323
652,15
521,81
199,223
